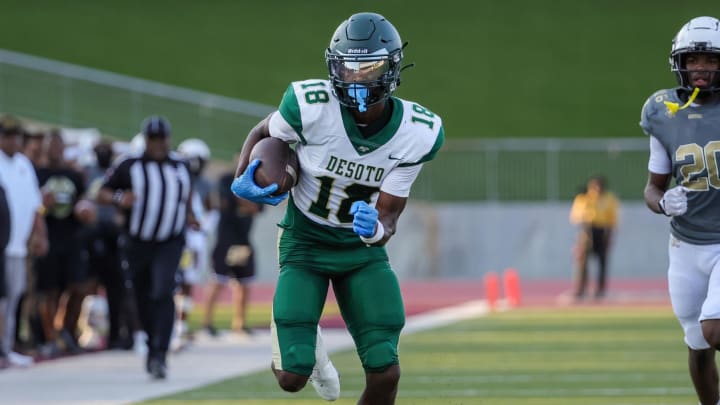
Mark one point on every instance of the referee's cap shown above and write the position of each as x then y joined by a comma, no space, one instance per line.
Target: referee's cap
156,126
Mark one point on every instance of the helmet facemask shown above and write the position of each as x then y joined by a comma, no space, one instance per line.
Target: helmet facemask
360,81
683,74
197,154
196,165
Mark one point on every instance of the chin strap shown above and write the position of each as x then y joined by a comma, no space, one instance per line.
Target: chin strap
673,108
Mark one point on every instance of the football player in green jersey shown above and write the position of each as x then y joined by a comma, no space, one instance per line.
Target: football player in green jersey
684,128
360,149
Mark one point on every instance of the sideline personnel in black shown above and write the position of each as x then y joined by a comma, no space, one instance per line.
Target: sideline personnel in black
153,189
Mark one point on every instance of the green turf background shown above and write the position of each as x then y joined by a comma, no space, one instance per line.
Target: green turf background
495,68
492,69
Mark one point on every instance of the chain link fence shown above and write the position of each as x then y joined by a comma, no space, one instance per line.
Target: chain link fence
544,169
75,96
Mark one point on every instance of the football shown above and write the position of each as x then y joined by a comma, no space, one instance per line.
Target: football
278,164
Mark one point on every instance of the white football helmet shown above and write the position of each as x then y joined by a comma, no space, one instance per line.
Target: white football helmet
137,144
196,152
699,35
194,148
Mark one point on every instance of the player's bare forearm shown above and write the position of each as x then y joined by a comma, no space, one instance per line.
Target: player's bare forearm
389,209
260,131
654,189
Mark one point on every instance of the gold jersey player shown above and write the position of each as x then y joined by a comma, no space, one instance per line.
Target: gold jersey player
360,149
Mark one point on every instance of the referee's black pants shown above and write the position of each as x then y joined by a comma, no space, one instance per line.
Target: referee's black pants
153,266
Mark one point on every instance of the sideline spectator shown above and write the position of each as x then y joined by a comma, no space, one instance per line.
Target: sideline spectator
33,148
28,233
27,310
595,211
233,257
104,260
194,263
61,275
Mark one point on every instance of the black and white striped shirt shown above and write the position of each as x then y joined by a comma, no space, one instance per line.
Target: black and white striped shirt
162,192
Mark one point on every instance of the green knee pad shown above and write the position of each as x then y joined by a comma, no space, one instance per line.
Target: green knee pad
299,359
379,356
297,346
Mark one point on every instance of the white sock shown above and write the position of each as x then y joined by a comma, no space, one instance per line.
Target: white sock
321,356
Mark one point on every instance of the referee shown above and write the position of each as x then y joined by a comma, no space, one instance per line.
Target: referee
153,187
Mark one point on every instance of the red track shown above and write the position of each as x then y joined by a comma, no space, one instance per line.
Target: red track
422,296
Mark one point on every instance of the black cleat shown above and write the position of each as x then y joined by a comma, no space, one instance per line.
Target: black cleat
157,369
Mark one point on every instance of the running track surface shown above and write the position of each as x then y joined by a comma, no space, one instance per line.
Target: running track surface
423,296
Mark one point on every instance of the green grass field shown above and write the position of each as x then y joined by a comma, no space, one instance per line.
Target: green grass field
589,356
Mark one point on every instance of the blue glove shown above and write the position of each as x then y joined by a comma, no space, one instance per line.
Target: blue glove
245,187
364,219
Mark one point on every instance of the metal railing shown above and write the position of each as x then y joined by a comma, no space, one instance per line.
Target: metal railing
537,169
76,96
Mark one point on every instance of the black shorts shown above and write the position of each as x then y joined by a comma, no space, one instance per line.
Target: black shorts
234,261
65,264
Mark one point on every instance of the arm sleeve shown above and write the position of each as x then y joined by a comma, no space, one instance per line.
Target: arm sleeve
659,161
399,181
281,129
645,117
286,123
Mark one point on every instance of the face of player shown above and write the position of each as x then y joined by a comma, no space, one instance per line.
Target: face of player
702,69
104,155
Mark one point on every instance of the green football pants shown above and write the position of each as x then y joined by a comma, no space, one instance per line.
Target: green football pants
370,303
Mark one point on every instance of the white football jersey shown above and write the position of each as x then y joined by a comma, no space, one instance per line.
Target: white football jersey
338,165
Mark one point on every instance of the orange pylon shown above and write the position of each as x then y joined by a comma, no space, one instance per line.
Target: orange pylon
492,289
511,286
